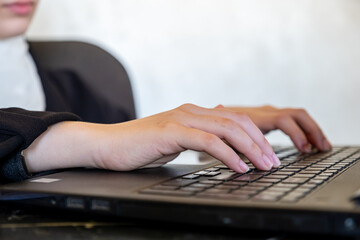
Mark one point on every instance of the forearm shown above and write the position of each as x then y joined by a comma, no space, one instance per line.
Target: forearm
63,145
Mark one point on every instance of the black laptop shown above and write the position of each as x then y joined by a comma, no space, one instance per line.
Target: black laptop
308,193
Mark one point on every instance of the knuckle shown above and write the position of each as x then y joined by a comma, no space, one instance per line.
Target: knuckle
228,124
301,111
243,117
283,118
177,113
186,106
209,140
254,147
251,148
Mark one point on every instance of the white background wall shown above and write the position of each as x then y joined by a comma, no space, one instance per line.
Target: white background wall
288,53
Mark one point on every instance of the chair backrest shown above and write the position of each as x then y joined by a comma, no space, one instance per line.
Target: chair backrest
100,69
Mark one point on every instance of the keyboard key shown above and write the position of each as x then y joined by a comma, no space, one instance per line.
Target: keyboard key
272,193
200,185
247,178
281,172
244,192
305,175
296,180
216,190
252,188
260,184
212,169
285,185
221,166
235,183
190,189
224,176
296,194
290,198
306,171
303,189
261,172
277,176
201,172
269,180
212,183
300,191
280,189
191,176
317,182
326,174
211,174
309,185
223,186
292,168
314,169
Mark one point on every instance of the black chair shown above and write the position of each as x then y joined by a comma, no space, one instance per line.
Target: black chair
101,71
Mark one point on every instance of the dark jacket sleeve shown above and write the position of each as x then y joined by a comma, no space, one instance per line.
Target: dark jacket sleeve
18,129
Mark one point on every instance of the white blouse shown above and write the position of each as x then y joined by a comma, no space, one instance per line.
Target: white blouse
20,84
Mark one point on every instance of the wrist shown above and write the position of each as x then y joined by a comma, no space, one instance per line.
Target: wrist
62,145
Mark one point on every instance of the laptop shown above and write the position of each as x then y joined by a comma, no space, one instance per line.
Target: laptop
309,193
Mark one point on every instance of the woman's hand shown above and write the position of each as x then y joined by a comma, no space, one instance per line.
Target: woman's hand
153,141
296,123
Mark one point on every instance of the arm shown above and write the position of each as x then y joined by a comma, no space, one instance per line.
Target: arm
157,139
152,141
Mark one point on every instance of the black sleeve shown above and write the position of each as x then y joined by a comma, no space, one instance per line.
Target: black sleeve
18,129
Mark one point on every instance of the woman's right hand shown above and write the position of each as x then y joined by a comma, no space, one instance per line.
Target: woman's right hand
153,141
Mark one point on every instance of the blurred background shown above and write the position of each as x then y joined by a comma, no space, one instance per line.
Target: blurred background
287,53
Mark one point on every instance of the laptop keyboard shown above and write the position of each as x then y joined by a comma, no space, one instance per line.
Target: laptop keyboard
298,175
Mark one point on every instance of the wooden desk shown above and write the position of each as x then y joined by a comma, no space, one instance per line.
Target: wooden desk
19,222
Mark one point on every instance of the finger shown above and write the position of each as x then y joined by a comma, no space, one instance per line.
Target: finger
247,126
229,130
257,136
311,129
288,125
198,140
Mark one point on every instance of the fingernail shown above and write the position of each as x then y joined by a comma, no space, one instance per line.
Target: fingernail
267,162
275,160
244,167
306,148
326,145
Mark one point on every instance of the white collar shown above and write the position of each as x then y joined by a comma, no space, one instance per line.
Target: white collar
19,79
11,49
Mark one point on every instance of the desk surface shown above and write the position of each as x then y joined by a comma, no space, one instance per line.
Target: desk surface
19,222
